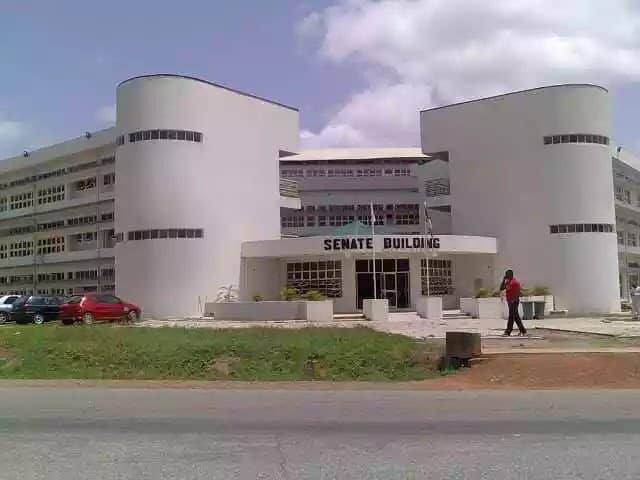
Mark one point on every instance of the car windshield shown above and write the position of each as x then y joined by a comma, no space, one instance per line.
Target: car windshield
74,300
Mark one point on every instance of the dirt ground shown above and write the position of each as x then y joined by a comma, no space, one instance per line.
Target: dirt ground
545,371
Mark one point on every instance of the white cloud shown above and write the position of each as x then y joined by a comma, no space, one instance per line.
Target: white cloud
107,114
13,135
418,53
10,130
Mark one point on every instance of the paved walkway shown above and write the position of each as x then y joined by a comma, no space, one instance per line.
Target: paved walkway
411,325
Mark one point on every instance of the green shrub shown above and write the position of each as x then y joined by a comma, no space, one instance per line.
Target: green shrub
289,294
257,298
483,293
539,290
314,296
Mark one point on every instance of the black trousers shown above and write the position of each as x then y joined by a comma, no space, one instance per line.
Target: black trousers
514,316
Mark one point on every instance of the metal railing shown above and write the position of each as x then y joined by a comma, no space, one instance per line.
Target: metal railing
289,188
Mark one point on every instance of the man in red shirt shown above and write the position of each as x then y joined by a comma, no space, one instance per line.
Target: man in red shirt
511,286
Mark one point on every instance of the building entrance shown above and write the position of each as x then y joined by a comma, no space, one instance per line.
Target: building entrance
392,281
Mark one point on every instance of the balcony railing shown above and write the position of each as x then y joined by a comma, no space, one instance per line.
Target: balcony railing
289,188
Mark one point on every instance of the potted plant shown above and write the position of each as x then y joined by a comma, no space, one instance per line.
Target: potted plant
485,304
542,300
318,308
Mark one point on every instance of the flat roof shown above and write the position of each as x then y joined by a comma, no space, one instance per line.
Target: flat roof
196,79
354,154
527,90
98,139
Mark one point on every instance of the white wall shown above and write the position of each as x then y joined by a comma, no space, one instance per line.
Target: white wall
227,185
506,183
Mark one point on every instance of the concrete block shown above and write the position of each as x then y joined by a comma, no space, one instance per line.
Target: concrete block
430,307
319,311
376,310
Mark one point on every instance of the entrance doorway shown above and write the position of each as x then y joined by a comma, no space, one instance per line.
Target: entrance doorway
392,281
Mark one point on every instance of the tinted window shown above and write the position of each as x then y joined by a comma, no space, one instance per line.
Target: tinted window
10,300
75,299
36,301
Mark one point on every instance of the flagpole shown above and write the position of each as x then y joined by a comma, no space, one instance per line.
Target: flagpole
426,257
373,244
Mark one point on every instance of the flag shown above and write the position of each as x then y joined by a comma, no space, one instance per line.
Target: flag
427,218
373,215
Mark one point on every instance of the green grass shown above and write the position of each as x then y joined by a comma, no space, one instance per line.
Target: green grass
265,354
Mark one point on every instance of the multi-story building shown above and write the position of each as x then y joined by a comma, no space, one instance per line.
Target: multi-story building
57,218
184,196
149,208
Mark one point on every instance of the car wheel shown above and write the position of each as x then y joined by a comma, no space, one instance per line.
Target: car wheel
132,316
38,319
87,318
4,317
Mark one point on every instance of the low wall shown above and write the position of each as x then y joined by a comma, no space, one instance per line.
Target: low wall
256,311
314,311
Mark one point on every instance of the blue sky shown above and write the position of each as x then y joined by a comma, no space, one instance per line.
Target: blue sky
62,60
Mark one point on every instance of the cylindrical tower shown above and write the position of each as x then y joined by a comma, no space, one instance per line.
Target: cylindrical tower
197,173
533,168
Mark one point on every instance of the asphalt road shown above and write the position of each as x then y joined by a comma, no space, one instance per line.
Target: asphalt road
96,433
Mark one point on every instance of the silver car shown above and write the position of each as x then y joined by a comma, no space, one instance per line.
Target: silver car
6,303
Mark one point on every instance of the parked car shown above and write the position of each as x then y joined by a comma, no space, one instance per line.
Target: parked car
90,307
6,304
35,309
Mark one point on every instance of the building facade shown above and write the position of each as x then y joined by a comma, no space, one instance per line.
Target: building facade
199,186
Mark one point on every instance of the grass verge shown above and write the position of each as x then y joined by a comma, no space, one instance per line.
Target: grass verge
256,354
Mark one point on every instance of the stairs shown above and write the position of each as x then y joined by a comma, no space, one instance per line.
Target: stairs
455,315
339,317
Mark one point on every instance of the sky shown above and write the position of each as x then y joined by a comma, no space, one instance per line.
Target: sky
358,70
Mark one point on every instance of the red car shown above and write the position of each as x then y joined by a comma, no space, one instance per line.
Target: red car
97,306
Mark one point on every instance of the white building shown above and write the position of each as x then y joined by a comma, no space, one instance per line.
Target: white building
158,207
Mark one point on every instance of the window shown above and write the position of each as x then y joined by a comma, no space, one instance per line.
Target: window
437,187
3,204
50,225
21,200
155,234
22,248
627,196
51,194
632,239
292,221
619,193
575,138
3,252
369,172
324,277
47,246
407,219
440,279
292,173
339,172
120,140
86,220
184,135
86,184
620,238
583,228
340,220
109,179
107,217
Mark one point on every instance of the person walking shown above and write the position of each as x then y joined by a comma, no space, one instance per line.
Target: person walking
635,301
512,287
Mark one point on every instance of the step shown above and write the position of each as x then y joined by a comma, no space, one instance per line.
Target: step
348,316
